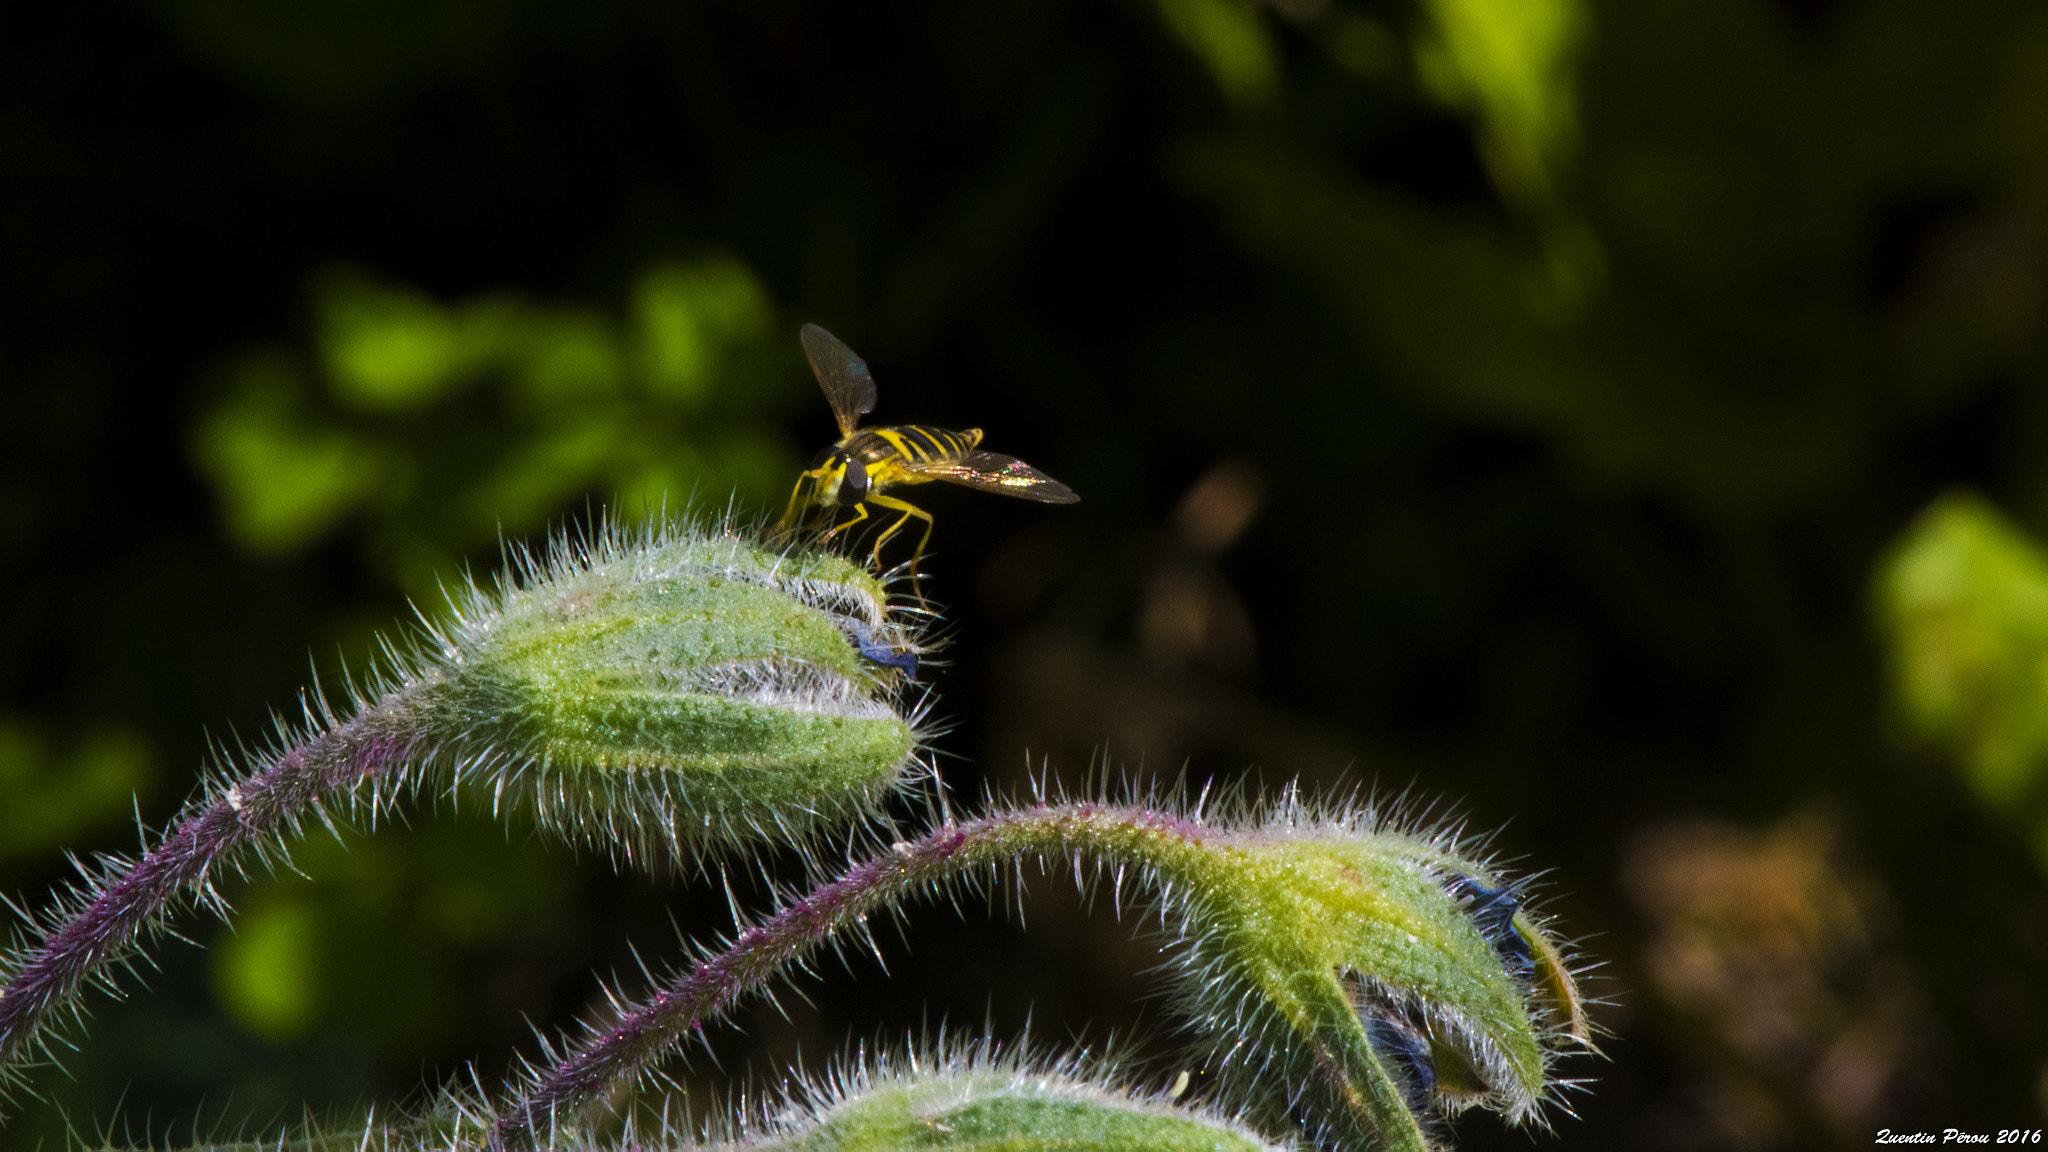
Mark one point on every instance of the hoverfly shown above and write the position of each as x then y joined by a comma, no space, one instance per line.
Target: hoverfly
855,472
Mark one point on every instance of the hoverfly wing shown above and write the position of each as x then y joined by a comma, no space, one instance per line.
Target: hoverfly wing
995,472
843,376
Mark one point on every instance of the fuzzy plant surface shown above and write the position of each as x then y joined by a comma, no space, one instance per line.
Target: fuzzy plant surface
945,1097
973,1099
662,693
1350,976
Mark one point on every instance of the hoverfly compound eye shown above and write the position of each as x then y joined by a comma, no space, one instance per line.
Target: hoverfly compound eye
824,454
853,484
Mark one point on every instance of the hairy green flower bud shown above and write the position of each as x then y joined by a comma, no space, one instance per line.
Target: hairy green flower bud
965,1096
680,691
1352,975
971,1100
1382,974
654,693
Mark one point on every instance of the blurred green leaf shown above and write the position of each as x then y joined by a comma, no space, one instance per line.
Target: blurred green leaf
1491,323
686,314
1964,603
267,973
537,473
1514,66
365,936
284,475
447,423
387,348
1230,38
569,356
55,799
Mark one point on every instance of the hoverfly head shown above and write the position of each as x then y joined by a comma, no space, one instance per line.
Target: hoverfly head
853,482
835,478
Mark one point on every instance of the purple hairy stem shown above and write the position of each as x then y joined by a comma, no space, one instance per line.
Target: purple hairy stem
105,929
644,1033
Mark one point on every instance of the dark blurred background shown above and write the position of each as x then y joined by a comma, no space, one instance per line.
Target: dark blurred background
1529,404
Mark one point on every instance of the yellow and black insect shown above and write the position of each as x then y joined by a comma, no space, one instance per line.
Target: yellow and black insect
855,472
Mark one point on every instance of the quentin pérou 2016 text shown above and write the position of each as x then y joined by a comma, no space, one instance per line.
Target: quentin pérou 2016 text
1960,1136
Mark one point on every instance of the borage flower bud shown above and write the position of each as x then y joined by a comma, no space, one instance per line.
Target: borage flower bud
1351,976
681,691
651,692
952,1097
1380,975
968,1098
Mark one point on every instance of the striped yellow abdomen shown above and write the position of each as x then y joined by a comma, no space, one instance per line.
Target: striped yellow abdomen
886,451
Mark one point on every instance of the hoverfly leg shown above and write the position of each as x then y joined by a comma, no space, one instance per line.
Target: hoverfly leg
789,520
908,509
860,513
801,499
